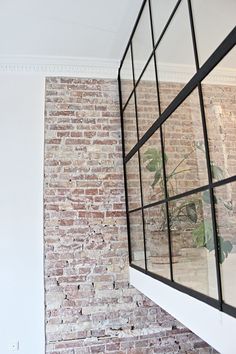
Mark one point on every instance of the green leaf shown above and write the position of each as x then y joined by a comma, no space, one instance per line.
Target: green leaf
157,177
199,235
206,197
152,166
191,211
228,246
225,248
208,230
203,235
151,154
217,172
154,158
210,245
222,257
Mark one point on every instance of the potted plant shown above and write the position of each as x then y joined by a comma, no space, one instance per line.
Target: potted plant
187,212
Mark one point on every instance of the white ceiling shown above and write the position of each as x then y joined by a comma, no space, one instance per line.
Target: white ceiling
66,28
77,34
213,20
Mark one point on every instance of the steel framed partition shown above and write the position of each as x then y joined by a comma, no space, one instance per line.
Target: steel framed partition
195,83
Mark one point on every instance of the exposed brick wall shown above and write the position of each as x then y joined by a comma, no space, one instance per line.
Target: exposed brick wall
90,306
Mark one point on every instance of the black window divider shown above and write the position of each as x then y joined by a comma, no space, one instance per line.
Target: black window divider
214,59
208,160
152,54
222,182
139,163
194,83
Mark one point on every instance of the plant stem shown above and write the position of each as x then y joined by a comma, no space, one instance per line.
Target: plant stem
185,158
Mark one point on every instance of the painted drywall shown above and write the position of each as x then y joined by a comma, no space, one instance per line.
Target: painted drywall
215,327
21,213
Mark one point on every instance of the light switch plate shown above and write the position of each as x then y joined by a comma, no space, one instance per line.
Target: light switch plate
14,346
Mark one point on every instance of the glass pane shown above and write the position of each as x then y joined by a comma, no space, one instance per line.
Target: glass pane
152,170
136,238
161,11
184,147
142,42
147,103
225,197
213,21
175,65
157,245
219,92
133,182
192,243
130,128
126,78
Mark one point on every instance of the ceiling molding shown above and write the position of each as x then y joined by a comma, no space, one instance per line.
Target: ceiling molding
106,69
60,66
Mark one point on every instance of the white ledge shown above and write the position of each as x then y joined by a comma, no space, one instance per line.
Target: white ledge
213,326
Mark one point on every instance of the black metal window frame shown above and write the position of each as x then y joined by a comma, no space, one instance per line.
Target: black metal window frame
195,83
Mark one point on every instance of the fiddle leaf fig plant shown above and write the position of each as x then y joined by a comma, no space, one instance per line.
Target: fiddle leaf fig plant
154,158
203,232
203,237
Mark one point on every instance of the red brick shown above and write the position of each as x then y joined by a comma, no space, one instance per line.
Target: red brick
86,251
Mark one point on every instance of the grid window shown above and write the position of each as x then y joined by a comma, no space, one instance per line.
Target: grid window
126,77
165,7
142,42
152,170
175,67
213,22
193,243
136,238
179,148
133,183
157,245
184,147
225,204
220,110
130,127
147,101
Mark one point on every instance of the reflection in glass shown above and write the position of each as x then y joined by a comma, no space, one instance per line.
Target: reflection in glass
184,147
130,128
136,238
161,11
142,42
126,77
147,102
220,110
225,198
193,244
152,170
156,235
133,182
210,27
175,65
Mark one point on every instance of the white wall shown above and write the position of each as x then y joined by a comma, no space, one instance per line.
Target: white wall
213,326
21,213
